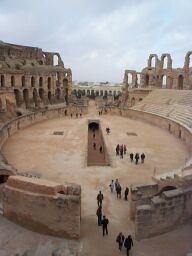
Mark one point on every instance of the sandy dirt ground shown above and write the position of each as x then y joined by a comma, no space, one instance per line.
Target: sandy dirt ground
62,158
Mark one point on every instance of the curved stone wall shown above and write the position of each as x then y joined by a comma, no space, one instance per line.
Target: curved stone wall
157,208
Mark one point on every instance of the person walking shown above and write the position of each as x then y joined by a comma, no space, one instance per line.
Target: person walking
101,149
120,239
121,151
116,185
142,158
119,191
136,158
94,145
128,244
131,157
126,193
100,198
117,150
111,185
99,215
125,149
105,223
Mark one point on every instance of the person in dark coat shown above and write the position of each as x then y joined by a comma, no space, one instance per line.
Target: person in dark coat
117,150
128,244
104,224
99,215
119,191
124,149
131,157
94,145
136,158
120,239
142,158
121,151
126,193
100,198
101,149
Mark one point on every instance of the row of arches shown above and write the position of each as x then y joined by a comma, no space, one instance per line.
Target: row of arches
38,95
96,93
33,81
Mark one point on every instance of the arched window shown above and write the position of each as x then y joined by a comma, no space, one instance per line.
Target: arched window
164,81
23,81
26,97
32,81
41,81
180,82
165,62
130,79
146,80
17,97
153,62
55,60
35,97
12,81
41,93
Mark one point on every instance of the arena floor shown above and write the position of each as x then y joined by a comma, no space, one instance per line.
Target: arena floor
62,158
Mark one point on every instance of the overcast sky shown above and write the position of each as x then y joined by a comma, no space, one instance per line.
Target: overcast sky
100,39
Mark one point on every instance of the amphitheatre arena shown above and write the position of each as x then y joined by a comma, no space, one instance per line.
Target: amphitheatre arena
50,173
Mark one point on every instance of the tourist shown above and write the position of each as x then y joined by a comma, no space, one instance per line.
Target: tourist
121,151
112,186
80,115
71,115
136,158
94,135
104,223
125,149
120,239
118,190
128,244
99,215
100,198
116,184
117,150
94,145
101,149
76,115
131,157
126,193
142,158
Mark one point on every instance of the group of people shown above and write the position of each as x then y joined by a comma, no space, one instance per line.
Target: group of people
121,150
77,115
95,145
137,157
128,242
116,186
102,221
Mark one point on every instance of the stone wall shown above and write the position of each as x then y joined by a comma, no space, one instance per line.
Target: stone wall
43,206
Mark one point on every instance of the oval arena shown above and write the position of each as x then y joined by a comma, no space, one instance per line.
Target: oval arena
50,174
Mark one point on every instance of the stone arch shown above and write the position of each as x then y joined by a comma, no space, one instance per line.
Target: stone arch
40,81
130,78
101,92
180,82
32,81
88,93
166,61
49,83
23,81
152,61
17,97
138,80
49,96
35,97
83,92
26,97
2,81
41,93
132,101
110,93
105,93
97,93
12,81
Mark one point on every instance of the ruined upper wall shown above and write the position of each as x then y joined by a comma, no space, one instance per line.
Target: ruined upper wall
20,52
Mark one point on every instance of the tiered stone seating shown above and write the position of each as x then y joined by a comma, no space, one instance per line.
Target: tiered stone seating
172,104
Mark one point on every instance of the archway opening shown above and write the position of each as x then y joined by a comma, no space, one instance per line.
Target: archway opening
3,178
130,79
132,102
146,79
165,62
23,81
164,81
41,93
93,126
153,62
58,93
55,60
12,81
49,96
40,81
32,81
180,82
49,83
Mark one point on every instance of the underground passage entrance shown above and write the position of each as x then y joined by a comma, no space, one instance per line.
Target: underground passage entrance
97,152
